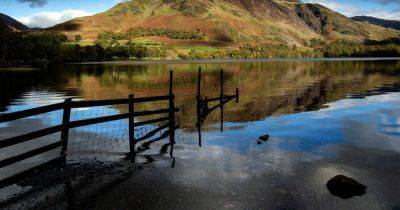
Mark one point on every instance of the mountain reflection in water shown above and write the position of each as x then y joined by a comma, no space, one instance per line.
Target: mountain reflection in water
324,119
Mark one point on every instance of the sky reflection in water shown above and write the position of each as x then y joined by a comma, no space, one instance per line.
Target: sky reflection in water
324,119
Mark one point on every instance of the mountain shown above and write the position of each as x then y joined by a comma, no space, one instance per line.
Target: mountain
14,24
229,23
395,24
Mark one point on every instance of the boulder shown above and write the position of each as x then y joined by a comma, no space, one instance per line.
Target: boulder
264,138
345,187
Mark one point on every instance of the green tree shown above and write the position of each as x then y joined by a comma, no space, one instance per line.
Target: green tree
139,52
78,38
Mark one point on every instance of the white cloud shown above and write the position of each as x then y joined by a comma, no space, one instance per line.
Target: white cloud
47,19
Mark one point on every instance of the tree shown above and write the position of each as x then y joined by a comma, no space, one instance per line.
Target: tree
139,52
78,38
6,35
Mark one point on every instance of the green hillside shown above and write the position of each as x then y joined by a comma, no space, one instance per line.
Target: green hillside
228,22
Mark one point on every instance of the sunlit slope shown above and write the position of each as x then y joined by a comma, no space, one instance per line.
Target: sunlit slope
230,22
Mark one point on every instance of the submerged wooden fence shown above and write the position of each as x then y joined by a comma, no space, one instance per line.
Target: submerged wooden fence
203,103
67,124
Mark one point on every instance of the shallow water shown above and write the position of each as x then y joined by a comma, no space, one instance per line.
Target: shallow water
324,118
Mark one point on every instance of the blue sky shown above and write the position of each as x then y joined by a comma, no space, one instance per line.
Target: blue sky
44,13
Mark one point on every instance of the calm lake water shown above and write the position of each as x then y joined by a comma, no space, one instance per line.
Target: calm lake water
324,118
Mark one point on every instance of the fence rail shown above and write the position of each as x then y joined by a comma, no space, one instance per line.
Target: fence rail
67,124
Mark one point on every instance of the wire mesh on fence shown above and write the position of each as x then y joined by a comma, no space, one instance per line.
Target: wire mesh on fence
109,141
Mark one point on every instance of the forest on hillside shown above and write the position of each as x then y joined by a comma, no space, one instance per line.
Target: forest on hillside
25,48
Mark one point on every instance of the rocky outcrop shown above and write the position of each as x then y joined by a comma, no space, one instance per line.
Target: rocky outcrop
313,17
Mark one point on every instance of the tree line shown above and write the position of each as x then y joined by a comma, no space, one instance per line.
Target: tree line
108,37
27,48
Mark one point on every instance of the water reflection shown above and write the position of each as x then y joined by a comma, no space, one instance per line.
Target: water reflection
268,88
323,118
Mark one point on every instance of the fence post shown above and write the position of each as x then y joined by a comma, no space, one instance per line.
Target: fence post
132,143
171,110
199,83
237,95
65,129
221,100
199,100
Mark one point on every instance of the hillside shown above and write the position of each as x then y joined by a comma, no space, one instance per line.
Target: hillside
228,23
395,24
14,24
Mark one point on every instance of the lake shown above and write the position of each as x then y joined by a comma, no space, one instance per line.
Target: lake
324,118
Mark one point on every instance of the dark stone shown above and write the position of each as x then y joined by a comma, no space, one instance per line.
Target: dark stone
345,187
264,138
149,158
259,142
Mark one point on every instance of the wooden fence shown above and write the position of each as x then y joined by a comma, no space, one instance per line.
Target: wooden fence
203,103
67,124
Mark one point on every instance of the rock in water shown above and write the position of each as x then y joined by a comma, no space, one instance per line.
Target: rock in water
345,187
264,138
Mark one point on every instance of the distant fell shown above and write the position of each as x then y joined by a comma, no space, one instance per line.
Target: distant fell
14,24
395,24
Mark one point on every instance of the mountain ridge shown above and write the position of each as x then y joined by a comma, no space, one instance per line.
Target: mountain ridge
13,23
229,22
395,24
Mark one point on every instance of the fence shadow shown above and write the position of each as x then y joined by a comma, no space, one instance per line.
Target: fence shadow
161,121
168,127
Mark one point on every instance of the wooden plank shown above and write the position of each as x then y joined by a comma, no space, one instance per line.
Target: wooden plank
161,111
219,105
108,102
13,179
32,153
147,122
74,104
29,136
151,99
219,98
92,121
152,133
30,112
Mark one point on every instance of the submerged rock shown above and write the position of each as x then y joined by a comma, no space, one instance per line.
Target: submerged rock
264,138
345,187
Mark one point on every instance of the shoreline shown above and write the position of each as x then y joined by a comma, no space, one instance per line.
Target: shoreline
205,61
244,60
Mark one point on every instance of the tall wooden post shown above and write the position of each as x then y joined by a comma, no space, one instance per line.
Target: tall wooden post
171,110
132,143
237,95
199,105
221,100
65,129
199,83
